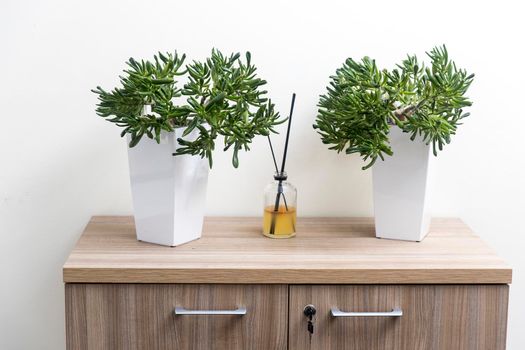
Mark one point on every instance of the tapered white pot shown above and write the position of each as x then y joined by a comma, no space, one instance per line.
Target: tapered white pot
401,189
169,192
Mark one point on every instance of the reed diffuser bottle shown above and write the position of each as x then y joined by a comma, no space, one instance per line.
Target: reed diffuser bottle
280,203
280,197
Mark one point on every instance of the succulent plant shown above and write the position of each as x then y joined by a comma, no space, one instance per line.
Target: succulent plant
363,102
221,97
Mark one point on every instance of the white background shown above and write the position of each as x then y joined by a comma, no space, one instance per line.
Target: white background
61,164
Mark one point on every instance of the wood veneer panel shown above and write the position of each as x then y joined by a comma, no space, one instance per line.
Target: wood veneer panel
325,250
76,322
140,317
439,317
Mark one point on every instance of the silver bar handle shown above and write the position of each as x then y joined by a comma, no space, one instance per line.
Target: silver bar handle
394,313
182,311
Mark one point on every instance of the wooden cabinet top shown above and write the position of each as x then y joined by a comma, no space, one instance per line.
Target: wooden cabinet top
325,250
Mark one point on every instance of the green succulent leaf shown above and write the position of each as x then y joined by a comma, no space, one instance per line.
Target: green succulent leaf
222,97
362,103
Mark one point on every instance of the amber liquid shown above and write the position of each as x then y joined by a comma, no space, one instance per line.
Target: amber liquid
283,222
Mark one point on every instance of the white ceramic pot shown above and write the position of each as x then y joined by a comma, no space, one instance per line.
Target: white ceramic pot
169,192
401,189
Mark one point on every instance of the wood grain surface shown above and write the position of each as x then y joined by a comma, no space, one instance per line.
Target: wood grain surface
325,250
140,317
439,317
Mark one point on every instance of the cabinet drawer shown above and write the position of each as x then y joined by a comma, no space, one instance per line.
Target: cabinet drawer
141,316
444,317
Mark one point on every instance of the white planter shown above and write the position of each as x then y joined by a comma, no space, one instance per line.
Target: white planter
169,192
400,189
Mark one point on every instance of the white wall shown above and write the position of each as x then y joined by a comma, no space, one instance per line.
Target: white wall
60,163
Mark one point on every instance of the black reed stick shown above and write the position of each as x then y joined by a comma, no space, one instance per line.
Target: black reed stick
280,185
288,133
273,155
276,169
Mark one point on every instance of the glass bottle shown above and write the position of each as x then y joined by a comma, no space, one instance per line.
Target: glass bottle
280,208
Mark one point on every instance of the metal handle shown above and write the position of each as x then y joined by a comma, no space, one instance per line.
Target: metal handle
394,313
182,311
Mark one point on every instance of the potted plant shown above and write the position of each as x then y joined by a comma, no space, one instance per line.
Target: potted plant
173,129
397,116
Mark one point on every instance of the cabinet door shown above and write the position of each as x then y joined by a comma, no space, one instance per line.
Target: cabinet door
142,317
444,317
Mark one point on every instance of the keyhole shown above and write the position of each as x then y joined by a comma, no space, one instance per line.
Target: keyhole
309,311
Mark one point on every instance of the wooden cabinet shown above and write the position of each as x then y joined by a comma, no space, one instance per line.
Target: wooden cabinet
451,289
135,316
433,317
